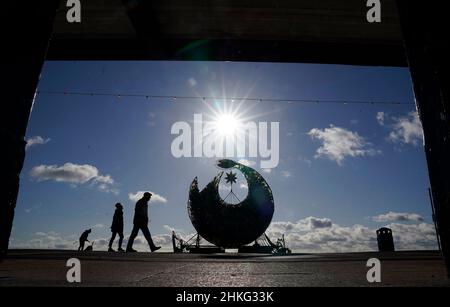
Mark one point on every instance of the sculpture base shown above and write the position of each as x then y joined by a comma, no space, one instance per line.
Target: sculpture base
209,249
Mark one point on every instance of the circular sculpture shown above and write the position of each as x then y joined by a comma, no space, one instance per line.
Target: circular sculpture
226,225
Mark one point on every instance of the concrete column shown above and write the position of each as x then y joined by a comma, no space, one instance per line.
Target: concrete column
27,37
426,41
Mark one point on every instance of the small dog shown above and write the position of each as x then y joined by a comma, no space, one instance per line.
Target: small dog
89,248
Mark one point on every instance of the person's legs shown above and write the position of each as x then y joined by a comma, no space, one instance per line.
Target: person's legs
148,237
111,241
81,247
120,240
113,237
133,236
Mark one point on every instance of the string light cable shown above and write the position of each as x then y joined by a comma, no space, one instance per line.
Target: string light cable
232,99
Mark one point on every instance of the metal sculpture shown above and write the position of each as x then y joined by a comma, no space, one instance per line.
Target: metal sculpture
231,225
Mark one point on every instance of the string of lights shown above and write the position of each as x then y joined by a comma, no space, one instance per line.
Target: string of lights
232,99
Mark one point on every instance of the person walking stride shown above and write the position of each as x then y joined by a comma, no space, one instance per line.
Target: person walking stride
140,222
117,228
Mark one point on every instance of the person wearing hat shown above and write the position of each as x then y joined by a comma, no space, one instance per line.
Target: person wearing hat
117,228
140,222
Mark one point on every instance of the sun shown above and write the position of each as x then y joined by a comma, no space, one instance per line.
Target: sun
227,120
226,124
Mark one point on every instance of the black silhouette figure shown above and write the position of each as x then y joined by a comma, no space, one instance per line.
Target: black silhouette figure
140,222
83,239
117,228
89,248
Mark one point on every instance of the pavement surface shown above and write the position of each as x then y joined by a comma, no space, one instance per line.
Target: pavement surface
48,268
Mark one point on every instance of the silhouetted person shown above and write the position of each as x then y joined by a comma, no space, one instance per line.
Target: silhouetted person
140,222
117,228
83,239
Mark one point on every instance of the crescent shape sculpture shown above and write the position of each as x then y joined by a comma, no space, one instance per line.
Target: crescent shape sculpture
231,225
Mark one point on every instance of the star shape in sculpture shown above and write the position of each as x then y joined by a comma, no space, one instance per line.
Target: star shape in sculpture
231,177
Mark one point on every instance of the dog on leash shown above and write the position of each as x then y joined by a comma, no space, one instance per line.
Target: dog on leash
89,248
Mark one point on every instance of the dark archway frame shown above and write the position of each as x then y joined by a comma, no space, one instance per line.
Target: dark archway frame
411,34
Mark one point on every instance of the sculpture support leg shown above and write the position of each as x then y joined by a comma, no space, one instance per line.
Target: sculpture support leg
427,49
26,44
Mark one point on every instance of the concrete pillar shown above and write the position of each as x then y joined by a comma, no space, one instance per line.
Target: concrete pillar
27,37
426,41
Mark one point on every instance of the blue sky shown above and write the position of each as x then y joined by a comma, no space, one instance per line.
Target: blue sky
344,170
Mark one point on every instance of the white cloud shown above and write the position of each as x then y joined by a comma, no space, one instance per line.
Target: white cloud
36,140
322,235
156,198
104,179
46,240
339,143
170,229
68,172
407,129
398,217
311,234
315,222
107,189
380,118
53,240
105,184
73,173
243,186
414,236
267,170
306,224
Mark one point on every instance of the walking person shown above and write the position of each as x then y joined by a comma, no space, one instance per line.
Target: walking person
140,222
117,228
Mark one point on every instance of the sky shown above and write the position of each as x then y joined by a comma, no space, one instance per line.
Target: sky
344,169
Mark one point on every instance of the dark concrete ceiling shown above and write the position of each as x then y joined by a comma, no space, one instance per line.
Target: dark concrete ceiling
320,31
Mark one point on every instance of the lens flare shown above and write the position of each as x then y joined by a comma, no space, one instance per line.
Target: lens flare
226,124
